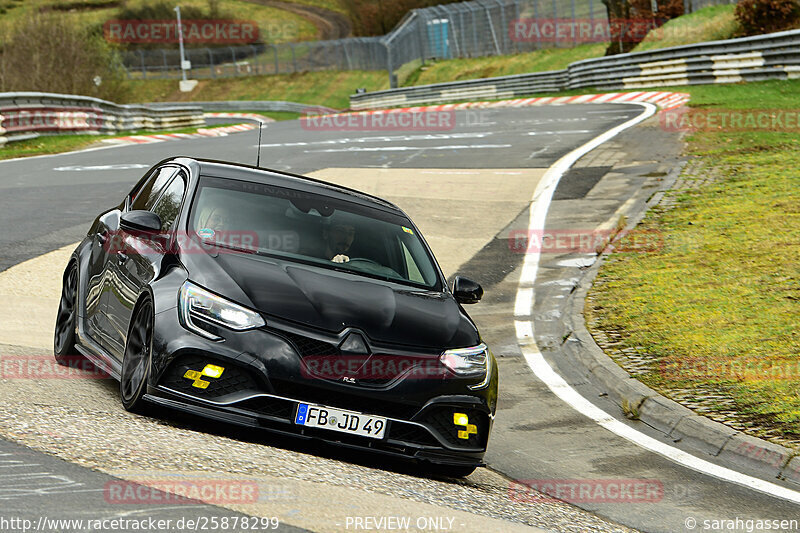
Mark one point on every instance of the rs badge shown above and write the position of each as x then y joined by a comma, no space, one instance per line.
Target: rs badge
460,419
211,371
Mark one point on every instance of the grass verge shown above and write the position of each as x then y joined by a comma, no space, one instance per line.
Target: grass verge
327,88
717,308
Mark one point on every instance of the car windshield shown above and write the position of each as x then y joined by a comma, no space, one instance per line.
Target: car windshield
311,228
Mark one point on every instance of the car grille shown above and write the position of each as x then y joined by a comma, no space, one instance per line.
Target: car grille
343,400
233,378
441,420
311,347
412,434
308,346
267,406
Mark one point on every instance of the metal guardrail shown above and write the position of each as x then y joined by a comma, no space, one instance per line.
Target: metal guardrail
763,57
250,105
25,114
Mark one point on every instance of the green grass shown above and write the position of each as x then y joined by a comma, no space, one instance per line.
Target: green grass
327,88
486,67
707,24
274,115
333,5
725,289
276,25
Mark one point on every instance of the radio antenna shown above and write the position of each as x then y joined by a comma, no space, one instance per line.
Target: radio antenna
258,157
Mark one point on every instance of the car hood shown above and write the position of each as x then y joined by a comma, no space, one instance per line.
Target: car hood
332,300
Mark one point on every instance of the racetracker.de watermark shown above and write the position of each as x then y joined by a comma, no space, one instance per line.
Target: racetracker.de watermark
691,119
377,367
194,31
569,30
747,368
394,120
46,367
563,241
587,490
127,242
181,491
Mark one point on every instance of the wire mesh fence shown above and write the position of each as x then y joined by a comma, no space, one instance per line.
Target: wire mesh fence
466,29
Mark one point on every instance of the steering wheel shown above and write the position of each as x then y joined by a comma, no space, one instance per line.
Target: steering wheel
366,260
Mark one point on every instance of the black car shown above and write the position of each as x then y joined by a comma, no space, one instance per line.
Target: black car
282,302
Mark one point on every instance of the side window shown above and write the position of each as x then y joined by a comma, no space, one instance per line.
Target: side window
169,204
149,193
412,269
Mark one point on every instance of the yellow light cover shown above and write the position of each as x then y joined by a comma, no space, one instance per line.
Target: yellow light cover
463,435
460,419
192,374
213,371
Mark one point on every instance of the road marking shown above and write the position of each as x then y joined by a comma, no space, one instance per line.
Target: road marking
81,168
410,148
382,139
524,302
540,204
565,132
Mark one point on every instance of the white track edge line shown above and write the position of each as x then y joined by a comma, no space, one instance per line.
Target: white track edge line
540,203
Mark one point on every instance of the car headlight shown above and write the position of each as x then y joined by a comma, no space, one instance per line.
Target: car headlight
467,361
197,303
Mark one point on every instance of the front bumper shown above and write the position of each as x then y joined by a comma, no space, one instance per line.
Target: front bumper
263,384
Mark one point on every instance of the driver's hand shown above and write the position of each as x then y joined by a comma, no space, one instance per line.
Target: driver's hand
340,258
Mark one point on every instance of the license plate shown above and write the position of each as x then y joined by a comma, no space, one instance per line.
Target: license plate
319,416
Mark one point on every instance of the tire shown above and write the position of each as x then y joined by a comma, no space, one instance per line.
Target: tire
64,337
137,359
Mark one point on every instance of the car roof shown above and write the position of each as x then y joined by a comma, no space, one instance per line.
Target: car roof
239,171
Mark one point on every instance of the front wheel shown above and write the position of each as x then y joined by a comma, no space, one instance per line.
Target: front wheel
136,360
64,338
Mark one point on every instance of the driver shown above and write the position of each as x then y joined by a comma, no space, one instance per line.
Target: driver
218,219
338,235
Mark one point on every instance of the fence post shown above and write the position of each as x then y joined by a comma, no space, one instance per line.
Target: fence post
574,36
390,66
422,40
211,63
277,62
294,56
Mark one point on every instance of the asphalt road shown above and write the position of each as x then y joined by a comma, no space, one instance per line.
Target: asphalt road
48,202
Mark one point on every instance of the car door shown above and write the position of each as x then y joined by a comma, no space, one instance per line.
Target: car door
141,260
142,198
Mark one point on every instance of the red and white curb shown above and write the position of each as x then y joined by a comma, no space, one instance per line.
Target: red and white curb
201,132
663,99
248,116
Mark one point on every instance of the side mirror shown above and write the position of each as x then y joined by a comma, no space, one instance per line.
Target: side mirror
140,221
467,291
